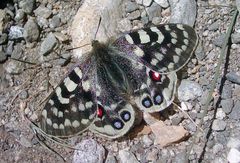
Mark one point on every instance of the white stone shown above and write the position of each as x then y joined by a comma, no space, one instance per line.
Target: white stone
147,2
85,23
233,156
162,3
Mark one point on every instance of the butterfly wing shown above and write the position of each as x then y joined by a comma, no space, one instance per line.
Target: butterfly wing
122,85
72,106
163,48
115,115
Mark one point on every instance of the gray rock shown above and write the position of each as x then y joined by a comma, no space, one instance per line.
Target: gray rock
220,114
15,32
154,11
219,125
17,51
55,22
89,151
14,67
233,156
234,143
124,25
65,59
189,90
238,5
227,91
31,31
110,159
235,38
3,56
219,40
25,142
214,26
48,44
27,5
217,148
2,18
199,52
127,157
147,3
162,3
152,155
227,105
23,94
183,11
235,111
191,127
233,77
19,15
181,157
147,141
130,6
42,22
139,2
176,120
156,20
134,15
3,38
43,12
9,49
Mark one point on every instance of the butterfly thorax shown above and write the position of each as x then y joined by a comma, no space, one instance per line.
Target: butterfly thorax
108,67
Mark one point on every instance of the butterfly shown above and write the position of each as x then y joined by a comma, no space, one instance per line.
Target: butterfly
136,72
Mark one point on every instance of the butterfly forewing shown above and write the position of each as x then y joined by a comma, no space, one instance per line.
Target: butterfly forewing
71,108
163,48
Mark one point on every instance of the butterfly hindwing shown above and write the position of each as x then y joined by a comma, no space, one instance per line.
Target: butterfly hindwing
71,108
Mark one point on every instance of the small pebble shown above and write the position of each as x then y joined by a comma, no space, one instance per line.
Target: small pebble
55,22
219,40
130,6
147,141
3,38
48,44
89,151
31,31
127,157
110,159
235,111
219,125
162,3
134,15
27,5
233,156
15,32
147,3
189,90
23,95
3,57
227,105
214,26
235,38
43,12
233,77
19,15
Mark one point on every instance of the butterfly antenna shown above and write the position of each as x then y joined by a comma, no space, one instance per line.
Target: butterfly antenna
99,22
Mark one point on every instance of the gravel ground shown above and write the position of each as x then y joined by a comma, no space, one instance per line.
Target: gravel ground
39,31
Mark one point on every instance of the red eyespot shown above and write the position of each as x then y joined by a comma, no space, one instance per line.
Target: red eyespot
154,76
100,111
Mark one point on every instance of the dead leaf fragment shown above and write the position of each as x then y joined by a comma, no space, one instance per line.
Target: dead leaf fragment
167,135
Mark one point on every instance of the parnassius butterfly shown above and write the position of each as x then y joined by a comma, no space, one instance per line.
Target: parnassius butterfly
136,72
